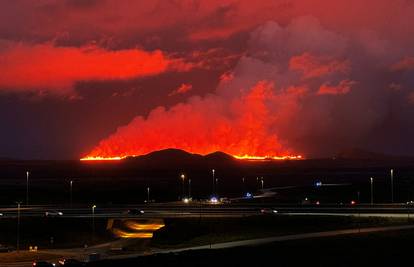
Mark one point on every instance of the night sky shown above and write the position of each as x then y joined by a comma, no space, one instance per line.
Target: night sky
113,78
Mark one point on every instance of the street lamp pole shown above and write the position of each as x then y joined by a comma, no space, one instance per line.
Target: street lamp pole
71,190
392,186
189,188
183,186
262,181
148,195
27,188
214,180
372,190
93,222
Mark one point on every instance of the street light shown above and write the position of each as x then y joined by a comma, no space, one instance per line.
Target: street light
71,187
217,186
372,190
189,188
392,186
213,181
148,195
93,222
183,189
27,188
262,181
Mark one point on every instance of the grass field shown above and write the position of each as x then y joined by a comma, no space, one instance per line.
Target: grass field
375,249
191,232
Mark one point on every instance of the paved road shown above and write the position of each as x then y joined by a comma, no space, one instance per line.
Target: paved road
171,210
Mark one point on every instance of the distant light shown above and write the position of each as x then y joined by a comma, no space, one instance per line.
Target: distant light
318,184
213,200
318,203
249,195
186,200
353,202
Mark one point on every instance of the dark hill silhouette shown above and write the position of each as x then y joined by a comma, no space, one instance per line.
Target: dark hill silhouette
179,158
218,155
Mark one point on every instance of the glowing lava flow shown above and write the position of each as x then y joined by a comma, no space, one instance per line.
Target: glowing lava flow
242,157
250,157
101,158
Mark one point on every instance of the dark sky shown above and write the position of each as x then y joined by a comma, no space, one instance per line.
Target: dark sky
112,78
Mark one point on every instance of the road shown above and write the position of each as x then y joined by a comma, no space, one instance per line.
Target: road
168,210
172,210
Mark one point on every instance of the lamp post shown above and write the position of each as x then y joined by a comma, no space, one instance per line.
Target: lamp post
148,195
392,185
262,182
189,188
71,189
27,188
93,222
213,171
183,189
372,190
18,227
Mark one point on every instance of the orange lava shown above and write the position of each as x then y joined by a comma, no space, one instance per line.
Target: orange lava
242,157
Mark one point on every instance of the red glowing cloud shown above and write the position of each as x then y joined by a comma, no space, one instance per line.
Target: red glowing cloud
45,66
406,63
342,88
184,88
312,66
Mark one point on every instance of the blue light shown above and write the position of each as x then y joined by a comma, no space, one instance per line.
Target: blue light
249,195
318,184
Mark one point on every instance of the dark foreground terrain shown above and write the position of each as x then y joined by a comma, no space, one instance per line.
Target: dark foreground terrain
126,181
377,249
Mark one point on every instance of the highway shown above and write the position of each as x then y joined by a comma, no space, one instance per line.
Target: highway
173,210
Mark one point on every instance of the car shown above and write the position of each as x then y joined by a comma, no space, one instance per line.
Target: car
53,213
5,248
268,211
70,263
135,212
43,264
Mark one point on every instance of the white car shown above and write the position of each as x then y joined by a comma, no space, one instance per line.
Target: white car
53,213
